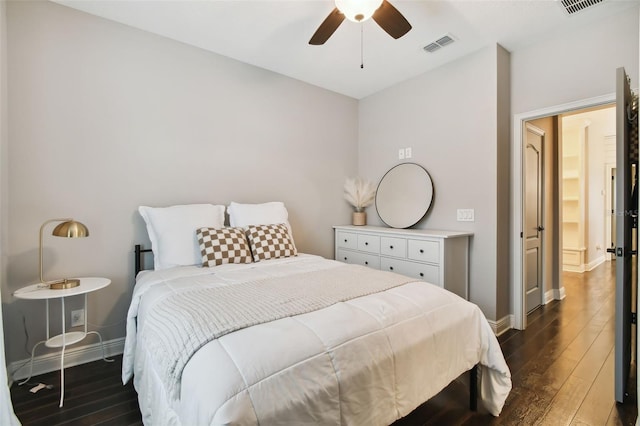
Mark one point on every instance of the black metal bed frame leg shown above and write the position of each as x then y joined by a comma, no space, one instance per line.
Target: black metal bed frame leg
138,250
473,388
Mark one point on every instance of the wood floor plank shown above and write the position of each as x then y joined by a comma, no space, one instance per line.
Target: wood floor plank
595,357
566,402
598,403
132,418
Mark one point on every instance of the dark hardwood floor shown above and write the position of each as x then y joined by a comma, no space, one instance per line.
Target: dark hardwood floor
562,369
94,395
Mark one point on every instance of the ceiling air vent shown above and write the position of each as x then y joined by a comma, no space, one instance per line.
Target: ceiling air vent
431,47
443,41
575,6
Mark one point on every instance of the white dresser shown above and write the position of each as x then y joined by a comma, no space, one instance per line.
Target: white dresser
438,257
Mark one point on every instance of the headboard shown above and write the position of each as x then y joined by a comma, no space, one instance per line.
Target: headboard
139,258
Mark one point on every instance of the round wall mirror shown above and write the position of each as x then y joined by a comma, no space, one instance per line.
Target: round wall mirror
404,195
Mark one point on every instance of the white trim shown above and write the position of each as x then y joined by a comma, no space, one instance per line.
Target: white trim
595,263
554,294
502,325
559,294
73,356
585,267
548,296
517,278
574,268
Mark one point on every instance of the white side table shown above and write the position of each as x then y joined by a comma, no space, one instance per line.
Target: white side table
41,292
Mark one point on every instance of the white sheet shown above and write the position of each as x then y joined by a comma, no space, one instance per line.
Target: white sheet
369,361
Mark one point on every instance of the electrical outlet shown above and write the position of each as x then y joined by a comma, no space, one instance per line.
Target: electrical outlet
401,154
407,152
77,318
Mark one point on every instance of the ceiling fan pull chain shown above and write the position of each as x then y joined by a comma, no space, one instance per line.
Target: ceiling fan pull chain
361,45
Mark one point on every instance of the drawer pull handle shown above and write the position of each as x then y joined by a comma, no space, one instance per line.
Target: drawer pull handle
421,251
366,243
366,263
391,268
345,240
421,274
345,258
391,247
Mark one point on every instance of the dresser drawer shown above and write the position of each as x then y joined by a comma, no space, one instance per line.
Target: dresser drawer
357,258
396,247
424,251
369,243
347,240
420,271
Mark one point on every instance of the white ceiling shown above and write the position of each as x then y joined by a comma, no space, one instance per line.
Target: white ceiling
274,34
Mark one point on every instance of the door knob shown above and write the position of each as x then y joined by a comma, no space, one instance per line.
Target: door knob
541,228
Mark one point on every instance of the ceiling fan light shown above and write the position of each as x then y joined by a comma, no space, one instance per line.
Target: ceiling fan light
358,10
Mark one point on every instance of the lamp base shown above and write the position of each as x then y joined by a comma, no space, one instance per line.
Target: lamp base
64,284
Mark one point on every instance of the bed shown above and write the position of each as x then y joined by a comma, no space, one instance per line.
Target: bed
369,351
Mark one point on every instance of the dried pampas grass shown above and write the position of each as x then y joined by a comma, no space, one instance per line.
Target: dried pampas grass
359,193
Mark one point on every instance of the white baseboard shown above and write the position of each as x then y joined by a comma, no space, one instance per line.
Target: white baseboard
548,296
585,267
595,263
74,355
502,325
573,268
554,294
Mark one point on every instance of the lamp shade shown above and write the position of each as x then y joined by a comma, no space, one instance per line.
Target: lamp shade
358,10
70,229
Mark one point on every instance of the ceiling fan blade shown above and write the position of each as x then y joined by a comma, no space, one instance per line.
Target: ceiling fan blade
391,20
327,28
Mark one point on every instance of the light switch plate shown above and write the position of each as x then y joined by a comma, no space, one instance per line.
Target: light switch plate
401,154
466,215
408,153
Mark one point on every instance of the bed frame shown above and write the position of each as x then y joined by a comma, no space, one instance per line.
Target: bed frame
473,373
139,258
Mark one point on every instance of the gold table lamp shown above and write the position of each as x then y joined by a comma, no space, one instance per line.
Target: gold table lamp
69,228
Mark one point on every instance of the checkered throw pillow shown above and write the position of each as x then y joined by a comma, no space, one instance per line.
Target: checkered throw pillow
270,242
223,245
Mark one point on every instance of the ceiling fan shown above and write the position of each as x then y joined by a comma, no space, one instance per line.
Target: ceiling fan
381,11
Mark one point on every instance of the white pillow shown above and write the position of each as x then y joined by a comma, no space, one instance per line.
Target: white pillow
243,215
272,213
172,231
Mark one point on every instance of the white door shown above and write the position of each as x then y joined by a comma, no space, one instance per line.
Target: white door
533,226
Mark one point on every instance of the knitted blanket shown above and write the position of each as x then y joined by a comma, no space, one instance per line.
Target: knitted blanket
181,324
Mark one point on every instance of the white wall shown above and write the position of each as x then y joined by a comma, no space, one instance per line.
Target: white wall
575,66
104,118
449,117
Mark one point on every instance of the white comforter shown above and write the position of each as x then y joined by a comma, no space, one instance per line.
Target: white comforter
370,360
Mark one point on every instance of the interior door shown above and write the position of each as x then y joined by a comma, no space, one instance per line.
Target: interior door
623,237
533,225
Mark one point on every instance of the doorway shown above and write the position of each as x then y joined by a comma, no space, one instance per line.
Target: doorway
565,228
551,273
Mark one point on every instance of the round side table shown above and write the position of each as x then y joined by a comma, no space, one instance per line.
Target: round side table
41,291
